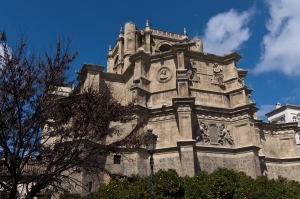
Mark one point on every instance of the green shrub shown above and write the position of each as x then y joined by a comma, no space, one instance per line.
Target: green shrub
168,184
197,186
222,183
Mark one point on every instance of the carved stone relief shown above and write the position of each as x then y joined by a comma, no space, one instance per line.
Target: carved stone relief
218,75
192,75
192,72
213,134
164,75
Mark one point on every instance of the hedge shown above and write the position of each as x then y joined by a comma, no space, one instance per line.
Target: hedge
221,184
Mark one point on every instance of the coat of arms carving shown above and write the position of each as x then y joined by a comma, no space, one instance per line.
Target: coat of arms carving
213,134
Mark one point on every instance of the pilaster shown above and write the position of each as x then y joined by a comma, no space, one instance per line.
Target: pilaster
187,157
184,107
140,85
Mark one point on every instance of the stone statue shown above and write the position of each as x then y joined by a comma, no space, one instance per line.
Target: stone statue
192,75
218,75
225,136
203,130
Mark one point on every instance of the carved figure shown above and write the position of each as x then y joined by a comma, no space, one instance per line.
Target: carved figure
192,75
203,130
225,136
218,75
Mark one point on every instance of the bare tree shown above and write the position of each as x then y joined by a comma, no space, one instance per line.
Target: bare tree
43,138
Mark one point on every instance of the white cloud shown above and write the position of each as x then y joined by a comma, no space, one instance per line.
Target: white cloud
281,45
288,99
264,109
226,31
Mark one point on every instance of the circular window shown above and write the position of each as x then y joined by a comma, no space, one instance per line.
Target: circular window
165,48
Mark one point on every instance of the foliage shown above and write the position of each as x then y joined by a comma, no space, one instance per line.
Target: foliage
44,139
222,183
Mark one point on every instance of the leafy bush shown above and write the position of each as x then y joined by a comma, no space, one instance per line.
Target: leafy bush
222,183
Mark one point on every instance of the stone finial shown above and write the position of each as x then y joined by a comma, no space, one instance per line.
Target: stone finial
121,33
109,47
147,28
185,37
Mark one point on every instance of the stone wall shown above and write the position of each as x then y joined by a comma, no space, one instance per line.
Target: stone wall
209,159
288,168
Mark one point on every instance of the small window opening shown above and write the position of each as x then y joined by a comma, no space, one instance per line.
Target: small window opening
294,119
90,186
117,159
165,48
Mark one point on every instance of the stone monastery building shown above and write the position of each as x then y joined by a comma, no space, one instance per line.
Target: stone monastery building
199,106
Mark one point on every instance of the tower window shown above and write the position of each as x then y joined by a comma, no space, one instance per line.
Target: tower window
117,159
165,48
294,119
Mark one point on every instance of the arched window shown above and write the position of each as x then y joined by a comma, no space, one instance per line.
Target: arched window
294,119
116,64
165,48
116,60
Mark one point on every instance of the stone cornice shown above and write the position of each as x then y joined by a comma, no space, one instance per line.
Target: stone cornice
207,149
163,55
93,67
281,126
119,77
88,67
223,92
139,55
246,107
280,160
211,57
242,73
226,150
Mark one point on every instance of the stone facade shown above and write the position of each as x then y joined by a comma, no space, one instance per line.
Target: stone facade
198,104
286,114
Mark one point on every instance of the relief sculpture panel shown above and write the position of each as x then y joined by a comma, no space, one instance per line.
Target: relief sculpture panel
212,134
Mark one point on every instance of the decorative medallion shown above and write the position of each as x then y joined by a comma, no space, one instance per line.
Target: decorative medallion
164,75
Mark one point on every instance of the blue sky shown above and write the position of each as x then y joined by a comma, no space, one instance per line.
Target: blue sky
265,32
